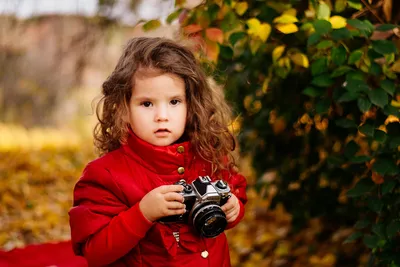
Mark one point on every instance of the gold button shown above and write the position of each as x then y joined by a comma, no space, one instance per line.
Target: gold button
180,149
181,170
204,254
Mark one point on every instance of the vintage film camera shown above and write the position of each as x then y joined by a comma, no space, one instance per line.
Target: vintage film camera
203,200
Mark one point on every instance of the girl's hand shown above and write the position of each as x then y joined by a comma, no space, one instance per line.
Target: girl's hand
162,201
231,208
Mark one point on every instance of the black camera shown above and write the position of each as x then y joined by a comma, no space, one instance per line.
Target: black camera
203,200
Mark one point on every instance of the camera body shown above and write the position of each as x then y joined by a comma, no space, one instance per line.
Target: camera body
203,199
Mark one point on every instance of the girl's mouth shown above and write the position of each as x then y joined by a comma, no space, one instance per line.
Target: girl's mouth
162,132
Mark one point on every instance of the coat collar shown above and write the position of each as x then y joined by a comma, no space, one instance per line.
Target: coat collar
159,159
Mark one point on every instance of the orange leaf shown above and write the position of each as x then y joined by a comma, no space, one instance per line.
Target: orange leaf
378,179
215,35
192,28
212,51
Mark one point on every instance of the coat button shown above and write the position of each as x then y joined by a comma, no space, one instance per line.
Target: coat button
180,149
181,170
204,254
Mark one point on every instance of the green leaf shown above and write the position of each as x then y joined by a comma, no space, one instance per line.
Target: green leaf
361,188
354,236
378,97
353,85
386,27
395,142
346,123
334,160
388,86
225,52
341,34
319,66
380,136
340,5
360,159
341,71
355,75
173,16
361,224
364,104
384,47
390,110
324,44
375,69
151,25
355,4
393,229
323,106
371,241
367,129
348,97
351,149
323,11
236,36
313,39
355,56
312,92
375,204
339,55
358,24
388,186
385,166
323,80
322,26
379,229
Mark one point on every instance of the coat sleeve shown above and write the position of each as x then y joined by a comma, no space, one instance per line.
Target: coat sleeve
103,228
237,184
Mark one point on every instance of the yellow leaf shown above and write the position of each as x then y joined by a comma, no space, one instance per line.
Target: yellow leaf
285,18
277,52
241,8
291,11
287,28
300,59
254,46
395,104
396,66
337,22
257,29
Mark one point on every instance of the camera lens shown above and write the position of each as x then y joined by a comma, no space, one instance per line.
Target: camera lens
209,220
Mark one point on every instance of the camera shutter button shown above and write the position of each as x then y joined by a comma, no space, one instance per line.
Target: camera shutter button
221,184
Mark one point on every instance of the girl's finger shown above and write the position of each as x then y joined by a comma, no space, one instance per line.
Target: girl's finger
232,216
173,196
228,206
230,212
175,205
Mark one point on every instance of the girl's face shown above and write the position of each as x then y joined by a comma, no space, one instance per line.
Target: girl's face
157,108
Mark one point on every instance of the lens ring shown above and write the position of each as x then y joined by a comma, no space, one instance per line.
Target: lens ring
209,212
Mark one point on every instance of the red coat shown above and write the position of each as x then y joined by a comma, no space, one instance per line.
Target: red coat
107,226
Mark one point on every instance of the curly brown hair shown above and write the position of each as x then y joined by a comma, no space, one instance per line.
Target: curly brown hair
208,113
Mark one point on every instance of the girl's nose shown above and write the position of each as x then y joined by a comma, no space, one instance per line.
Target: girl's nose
161,114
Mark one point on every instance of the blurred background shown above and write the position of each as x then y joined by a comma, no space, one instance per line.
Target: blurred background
322,165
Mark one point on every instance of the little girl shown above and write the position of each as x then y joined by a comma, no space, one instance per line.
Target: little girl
160,122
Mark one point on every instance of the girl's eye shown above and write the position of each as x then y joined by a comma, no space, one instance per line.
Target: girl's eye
175,102
146,104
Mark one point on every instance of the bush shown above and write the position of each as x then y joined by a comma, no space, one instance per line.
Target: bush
317,97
